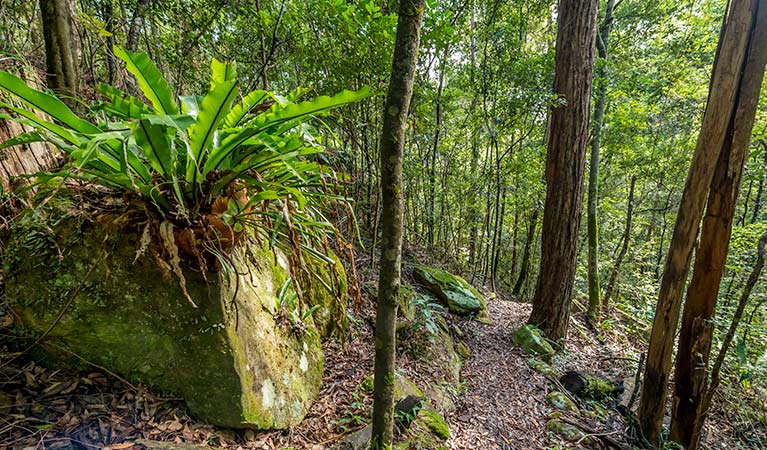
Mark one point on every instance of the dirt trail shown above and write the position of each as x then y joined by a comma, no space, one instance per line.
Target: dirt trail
504,406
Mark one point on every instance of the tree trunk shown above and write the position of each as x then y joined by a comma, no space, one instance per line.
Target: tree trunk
525,267
596,140
697,328
21,159
136,23
392,143
721,104
736,318
760,186
626,239
565,165
433,160
61,65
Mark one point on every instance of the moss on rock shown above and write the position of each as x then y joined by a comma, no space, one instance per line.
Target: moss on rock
561,401
326,285
570,432
542,367
530,339
463,350
228,358
457,294
435,422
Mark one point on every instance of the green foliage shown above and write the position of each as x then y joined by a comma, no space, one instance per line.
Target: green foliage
426,313
354,413
256,154
286,305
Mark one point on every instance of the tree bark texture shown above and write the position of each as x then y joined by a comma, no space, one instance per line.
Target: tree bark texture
625,241
61,64
21,159
136,23
694,348
725,82
596,141
565,165
392,143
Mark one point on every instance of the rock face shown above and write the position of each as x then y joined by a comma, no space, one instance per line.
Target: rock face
455,292
234,364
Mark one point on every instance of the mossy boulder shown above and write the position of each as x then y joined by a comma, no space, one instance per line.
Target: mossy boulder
229,358
428,430
325,284
463,350
530,339
570,432
561,401
435,422
403,387
453,291
542,367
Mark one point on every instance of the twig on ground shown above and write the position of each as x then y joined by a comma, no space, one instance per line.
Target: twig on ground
592,432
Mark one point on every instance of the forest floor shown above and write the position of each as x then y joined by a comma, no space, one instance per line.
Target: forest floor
500,404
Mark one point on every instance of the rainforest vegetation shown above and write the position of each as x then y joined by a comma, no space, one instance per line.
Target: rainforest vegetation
456,224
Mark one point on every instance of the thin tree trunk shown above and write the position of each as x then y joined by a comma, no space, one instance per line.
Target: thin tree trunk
108,13
596,140
721,104
753,278
61,65
262,51
565,165
136,23
514,243
626,239
746,201
392,144
525,267
760,187
499,237
433,161
702,293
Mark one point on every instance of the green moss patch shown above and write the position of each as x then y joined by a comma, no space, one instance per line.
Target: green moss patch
455,293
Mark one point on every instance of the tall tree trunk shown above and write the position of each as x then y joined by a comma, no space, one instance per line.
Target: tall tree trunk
61,64
433,159
746,201
392,143
525,267
725,84
136,23
753,277
514,232
565,164
626,239
596,140
690,377
760,187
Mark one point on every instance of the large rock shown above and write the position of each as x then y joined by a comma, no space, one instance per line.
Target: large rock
455,292
232,361
530,339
